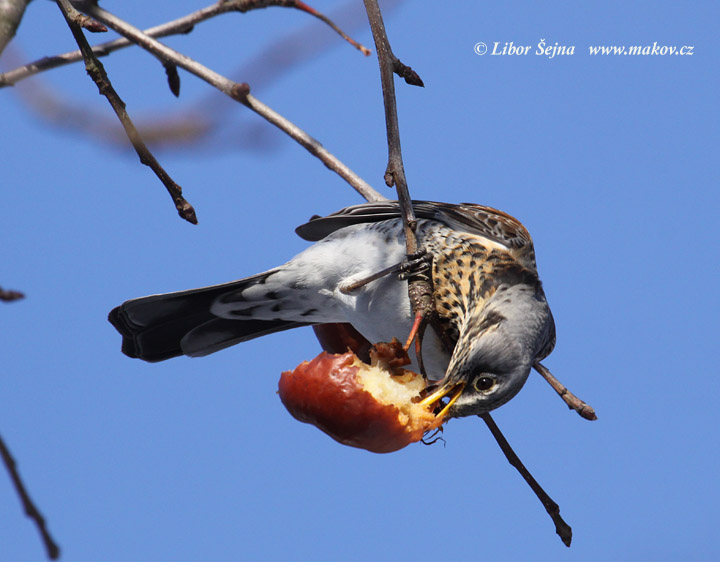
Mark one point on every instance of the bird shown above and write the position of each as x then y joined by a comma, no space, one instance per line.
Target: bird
488,297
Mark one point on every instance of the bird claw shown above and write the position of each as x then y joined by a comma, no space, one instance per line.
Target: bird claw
416,263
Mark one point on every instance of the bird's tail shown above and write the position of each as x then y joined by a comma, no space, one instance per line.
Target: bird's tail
159,327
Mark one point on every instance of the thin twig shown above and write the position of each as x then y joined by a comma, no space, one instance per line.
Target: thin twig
7,295
206,123
181,25
313,146
247,5
419,285
574,403
563,530
97,72
82,20
392,63
53,550
237,91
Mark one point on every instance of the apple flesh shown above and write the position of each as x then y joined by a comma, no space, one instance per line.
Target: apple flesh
373,407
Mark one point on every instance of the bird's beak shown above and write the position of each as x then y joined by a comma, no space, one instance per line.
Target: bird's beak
450,391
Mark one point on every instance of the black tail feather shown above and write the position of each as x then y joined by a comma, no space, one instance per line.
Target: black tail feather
154,328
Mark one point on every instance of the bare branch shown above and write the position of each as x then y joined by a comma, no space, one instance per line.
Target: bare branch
574,403
82,20
10,295
52,549
11,13
181,25
421,301
97,72
419,284
314,147
563,530
248,5
360,47
206,123
235,90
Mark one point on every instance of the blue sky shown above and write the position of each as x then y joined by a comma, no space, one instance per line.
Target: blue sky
610,162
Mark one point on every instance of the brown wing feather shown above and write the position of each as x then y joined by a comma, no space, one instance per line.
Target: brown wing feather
465,217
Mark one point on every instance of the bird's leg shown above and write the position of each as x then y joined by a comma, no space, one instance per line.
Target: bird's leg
412,265
416,267
416,334
349,288
415,330
415,264
574,403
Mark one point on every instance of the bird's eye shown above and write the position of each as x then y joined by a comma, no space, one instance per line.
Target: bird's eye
484,383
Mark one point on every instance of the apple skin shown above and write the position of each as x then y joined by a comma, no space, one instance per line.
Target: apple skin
326,393
339,338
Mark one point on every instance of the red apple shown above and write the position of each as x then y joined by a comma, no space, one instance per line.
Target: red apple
373,407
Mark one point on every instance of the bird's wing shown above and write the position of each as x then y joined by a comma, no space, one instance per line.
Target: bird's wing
466,217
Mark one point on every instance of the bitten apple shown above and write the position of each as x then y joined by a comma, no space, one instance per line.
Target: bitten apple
375,407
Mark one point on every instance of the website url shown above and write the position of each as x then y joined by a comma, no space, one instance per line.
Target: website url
642,50
552,50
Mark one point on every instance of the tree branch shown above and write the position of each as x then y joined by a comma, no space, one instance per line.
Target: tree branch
419,284
248,5
97,72
81,19
563,530
419,289
52,549
181,25
235,90
574,403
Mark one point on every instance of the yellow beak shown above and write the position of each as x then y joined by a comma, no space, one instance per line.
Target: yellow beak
435,400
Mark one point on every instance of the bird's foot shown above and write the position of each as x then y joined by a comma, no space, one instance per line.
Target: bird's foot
414,264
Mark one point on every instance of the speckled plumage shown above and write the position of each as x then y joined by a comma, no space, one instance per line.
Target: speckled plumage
486,290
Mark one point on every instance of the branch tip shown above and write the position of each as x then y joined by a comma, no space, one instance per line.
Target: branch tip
407,73
186,211
583,409
91,25
10,295
563,530
173,78
244,6
51,547
389,178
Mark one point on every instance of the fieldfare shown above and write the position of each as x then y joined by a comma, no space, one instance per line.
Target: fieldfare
488,298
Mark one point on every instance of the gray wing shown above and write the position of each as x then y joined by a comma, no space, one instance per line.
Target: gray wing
466,217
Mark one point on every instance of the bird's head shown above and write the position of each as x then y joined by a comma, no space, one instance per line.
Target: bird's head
495,352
